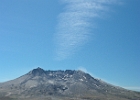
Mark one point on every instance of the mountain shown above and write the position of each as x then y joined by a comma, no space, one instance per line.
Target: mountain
39,84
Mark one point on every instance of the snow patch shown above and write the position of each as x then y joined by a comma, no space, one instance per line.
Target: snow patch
84,77
50,74
81,79
32,86
51,81
9,93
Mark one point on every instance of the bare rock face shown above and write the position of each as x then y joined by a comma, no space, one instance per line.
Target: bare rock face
62,85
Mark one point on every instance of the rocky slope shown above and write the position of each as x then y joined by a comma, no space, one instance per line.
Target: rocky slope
39,84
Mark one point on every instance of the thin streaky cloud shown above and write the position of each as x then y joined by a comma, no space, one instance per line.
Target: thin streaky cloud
86,71
74,24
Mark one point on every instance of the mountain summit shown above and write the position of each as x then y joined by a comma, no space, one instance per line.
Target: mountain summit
38,71
39,84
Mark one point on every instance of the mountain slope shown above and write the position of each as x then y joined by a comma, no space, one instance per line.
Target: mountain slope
64,85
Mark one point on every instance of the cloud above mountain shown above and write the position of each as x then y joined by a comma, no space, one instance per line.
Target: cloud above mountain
74,24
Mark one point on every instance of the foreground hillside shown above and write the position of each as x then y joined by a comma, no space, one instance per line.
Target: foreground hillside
39,84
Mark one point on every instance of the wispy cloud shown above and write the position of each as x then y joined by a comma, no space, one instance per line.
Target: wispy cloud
83,69
74,24
86,71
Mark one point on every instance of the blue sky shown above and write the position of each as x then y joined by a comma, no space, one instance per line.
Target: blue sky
100,37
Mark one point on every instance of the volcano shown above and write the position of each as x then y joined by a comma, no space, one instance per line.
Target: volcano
40,84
